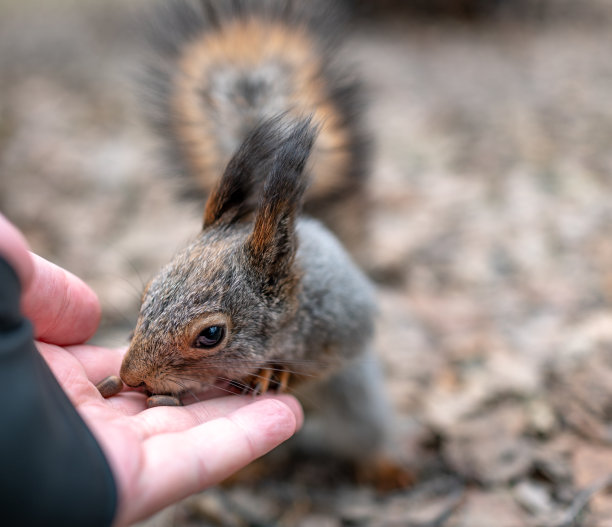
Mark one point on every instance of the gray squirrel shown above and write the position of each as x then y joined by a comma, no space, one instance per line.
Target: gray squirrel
256,109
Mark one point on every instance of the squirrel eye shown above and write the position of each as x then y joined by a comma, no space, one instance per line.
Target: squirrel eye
209,337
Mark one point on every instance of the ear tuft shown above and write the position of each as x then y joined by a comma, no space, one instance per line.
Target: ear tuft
272,244
233,197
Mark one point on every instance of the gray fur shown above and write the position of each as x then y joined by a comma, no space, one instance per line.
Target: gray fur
337,301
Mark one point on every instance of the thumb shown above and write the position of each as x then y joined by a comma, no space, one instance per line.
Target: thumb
63,309
14,248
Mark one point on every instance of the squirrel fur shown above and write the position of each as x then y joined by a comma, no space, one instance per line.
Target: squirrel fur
221,66
253,110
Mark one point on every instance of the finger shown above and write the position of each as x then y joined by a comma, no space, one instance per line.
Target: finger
62,307
169,419
98,362
67,370
14,248
180,464
74,378
124,404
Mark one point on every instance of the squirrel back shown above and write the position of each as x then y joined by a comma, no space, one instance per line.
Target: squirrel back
223,66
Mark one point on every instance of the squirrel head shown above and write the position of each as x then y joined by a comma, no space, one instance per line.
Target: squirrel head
212,313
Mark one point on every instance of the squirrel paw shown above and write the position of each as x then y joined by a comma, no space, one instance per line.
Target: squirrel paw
267,379
385,473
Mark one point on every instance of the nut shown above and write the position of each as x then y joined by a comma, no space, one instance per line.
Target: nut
110,386
163,400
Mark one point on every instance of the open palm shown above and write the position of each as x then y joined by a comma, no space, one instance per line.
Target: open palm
160,455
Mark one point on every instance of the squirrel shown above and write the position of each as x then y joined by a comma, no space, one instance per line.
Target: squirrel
266,297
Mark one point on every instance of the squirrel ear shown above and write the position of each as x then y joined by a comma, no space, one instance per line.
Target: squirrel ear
272,244
233,196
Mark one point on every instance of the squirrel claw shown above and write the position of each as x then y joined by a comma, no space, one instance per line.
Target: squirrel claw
268,379
263,382
283,381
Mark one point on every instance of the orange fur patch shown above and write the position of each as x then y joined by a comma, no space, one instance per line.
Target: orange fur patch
263,233
247,45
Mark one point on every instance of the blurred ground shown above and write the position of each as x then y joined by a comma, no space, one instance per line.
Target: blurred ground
491,245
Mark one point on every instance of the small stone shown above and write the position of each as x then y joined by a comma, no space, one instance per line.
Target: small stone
541,418
534,498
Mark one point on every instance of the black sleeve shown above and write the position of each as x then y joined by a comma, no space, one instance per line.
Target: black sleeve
52,470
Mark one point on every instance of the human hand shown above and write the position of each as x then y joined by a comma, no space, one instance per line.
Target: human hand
157,455
163,454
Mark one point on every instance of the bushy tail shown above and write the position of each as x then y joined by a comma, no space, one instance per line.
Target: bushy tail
223,66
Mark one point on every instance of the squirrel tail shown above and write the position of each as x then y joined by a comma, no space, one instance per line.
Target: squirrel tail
223,66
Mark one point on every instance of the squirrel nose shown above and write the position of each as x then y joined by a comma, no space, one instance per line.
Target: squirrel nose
130,376
132,379
133,385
